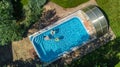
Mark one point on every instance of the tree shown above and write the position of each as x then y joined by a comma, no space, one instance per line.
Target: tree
8,27
32,10
13,27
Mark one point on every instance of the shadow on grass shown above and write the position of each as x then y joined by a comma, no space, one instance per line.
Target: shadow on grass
105,56
47,18
6,54
27,63
106,16
22,63
6,59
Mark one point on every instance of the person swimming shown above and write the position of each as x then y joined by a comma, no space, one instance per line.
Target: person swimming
52,32
46,38
57,39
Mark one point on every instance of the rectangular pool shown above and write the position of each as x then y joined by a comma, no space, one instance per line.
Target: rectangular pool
54,42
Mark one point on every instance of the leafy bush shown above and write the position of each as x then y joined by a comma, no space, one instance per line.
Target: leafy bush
16,16
8,27
32,11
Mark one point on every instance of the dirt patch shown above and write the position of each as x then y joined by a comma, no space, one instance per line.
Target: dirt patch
21,49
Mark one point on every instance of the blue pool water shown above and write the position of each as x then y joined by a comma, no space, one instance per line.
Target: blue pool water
71,33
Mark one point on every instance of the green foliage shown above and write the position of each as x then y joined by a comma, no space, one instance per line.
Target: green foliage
32,11
69,3
16,16
8,28
117,65
109,54
105,56
24,2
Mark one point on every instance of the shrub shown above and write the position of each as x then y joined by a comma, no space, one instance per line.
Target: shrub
13,21
8,27
32,11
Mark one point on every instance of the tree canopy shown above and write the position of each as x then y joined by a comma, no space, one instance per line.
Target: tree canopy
12,27
8,27
32,10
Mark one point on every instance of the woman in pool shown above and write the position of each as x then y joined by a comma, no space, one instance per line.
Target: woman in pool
52,32
46,38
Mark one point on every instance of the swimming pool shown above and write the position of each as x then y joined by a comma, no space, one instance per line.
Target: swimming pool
69,34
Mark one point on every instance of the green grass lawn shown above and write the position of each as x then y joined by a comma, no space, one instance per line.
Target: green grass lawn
109,54
112,9
69,3
24,2
117,65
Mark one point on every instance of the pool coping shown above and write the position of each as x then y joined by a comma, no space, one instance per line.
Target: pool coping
59,22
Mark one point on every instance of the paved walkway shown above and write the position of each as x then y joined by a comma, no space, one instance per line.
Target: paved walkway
62,12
